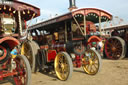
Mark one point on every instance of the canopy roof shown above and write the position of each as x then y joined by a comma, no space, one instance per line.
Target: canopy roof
12,6
118,27
92,14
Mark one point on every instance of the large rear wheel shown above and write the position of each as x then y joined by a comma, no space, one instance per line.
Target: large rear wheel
115,48
91,62
22,67
63,66
30,50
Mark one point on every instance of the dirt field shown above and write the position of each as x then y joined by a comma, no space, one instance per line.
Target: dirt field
113,72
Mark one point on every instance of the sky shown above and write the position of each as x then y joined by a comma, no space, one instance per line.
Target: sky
50,8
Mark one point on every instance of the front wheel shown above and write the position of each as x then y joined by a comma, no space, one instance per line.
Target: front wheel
63,66
91,62
22,67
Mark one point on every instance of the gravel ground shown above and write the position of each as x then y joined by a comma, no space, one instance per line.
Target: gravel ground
113,72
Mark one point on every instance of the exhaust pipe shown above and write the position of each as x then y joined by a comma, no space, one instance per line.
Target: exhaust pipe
72,5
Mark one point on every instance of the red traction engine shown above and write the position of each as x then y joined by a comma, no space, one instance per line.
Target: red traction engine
116,46
13,17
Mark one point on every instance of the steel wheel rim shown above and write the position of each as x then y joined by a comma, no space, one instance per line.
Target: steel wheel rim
90,62
113,48
61,67
26,51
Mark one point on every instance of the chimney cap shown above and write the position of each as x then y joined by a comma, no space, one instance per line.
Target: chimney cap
72,4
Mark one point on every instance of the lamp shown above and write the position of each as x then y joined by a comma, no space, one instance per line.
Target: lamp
4,7
14,11
28,12
23,12
10,9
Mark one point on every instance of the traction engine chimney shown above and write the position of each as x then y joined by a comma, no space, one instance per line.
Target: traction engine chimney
72,5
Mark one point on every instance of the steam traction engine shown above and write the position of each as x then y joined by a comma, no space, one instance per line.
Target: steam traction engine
62,42
13,17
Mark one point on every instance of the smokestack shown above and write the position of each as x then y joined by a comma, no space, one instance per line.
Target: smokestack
72,5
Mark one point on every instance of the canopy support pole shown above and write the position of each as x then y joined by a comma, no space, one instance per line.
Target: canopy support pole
78,25
100,25
85,25
20,23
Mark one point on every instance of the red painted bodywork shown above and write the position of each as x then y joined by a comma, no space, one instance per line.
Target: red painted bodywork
90,26
12,42
77,63
5,52
3,75
94,39
51,54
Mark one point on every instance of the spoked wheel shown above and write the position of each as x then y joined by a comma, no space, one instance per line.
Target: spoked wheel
91,62
115,48
22,67
30,50
63,66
